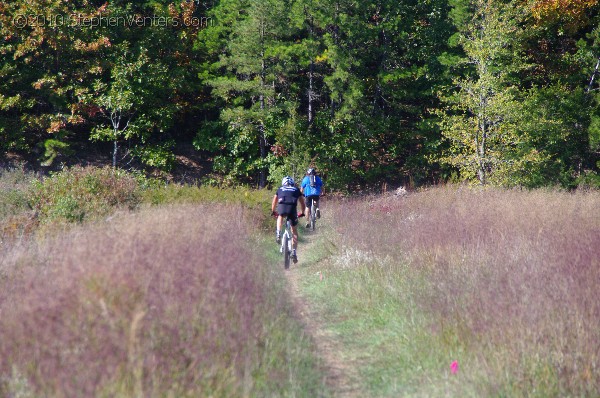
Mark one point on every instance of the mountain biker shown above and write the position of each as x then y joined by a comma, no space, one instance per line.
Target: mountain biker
311,188
285,202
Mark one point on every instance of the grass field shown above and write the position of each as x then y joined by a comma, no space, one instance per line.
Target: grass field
115,285
505,283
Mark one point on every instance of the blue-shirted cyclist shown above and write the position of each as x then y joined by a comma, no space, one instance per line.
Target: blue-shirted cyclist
311,188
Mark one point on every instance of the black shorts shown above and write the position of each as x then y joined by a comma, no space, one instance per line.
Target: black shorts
310,199
289,211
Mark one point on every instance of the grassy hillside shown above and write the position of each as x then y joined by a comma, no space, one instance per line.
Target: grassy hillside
115,285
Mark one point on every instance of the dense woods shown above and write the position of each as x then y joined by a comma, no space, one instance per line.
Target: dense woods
397,92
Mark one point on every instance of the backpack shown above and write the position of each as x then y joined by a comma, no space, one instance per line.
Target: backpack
313,181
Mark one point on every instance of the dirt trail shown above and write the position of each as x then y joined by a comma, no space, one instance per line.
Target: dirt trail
341,374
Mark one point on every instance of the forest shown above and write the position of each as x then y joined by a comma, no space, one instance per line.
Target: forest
372,94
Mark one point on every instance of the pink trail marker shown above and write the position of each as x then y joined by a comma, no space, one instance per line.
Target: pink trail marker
454,367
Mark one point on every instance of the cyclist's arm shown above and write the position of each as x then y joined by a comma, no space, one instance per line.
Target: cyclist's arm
274,203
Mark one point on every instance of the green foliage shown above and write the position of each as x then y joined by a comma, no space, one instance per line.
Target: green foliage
79,194
384,91
482,116
255,66
160,156
589,180
54,148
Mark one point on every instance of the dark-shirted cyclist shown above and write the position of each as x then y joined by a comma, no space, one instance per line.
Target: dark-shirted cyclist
285,202
311,188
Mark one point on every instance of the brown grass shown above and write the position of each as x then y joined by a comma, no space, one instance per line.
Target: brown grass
169,302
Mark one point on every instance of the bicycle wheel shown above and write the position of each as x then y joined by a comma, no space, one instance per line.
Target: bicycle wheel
313,217
286,251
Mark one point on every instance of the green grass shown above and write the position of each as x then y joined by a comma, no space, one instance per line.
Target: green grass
173,193
296,353
371,310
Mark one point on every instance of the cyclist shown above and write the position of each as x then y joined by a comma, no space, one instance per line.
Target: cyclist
311,188
286,201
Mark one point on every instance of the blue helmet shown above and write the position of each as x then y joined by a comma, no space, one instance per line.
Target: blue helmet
287,181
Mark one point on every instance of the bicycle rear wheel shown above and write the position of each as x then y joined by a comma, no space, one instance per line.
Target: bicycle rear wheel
313,217
286,251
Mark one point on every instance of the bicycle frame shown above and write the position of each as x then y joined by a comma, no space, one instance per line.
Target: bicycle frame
313,214
286,243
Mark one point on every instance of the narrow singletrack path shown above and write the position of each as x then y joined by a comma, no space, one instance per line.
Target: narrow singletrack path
341,373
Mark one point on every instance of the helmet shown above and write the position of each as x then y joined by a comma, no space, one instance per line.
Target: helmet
287,180
311,171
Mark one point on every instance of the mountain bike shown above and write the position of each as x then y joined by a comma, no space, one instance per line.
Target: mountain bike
287,242
313,214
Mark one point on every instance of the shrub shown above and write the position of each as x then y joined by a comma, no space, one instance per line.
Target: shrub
84,193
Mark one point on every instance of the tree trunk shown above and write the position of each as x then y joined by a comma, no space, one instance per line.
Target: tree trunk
311,72
115,151
310,93
262,177
589,88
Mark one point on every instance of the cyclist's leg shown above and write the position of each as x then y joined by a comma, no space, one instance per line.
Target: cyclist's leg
308,204
294,220
294,254
278,234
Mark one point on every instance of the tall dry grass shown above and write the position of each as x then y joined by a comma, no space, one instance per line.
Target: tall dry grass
511,279
168,302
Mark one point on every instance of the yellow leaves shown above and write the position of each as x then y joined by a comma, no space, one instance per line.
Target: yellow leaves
572,12
75,119
323,57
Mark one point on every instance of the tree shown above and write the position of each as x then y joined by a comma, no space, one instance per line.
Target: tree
482,114
382,61
46,59
255,73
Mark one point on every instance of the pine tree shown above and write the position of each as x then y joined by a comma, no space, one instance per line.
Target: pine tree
254,78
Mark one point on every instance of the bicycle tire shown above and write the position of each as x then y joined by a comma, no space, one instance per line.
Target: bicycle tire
313,217
286,251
